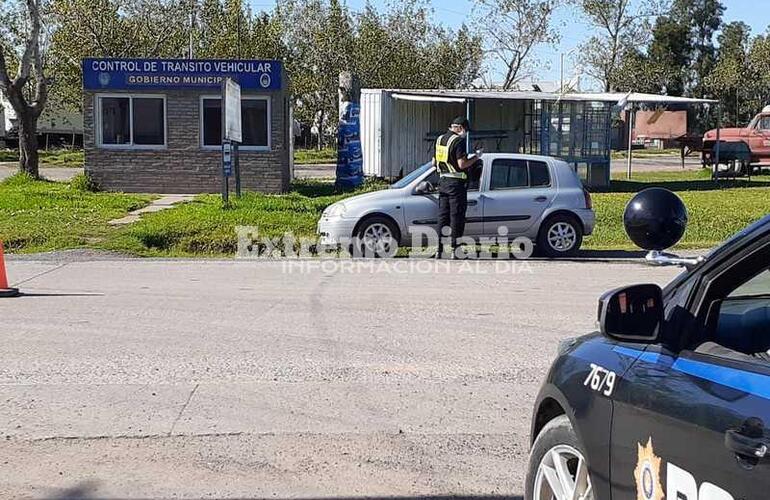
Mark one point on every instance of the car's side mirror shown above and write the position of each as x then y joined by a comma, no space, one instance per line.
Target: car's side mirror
632,313
424,187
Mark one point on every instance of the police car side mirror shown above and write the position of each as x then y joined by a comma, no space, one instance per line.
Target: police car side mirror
632,314
424,187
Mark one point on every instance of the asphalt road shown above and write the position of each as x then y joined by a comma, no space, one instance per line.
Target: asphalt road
203,379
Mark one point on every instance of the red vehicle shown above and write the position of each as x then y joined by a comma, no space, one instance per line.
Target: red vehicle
750,144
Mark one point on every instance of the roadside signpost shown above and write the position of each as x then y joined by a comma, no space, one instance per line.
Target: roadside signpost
231,136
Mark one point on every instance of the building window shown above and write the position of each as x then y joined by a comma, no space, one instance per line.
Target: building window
212,122
255,122
116,120
149,122
132,121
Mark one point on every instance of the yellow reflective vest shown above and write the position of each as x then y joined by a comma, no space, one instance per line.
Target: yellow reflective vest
443,165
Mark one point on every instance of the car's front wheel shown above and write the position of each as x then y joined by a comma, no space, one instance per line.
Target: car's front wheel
560,236
377,237
558,468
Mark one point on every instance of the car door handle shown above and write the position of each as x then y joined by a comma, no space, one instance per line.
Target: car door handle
745,446
473,202
541,199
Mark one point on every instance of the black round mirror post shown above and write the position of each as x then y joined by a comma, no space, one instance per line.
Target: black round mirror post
655,219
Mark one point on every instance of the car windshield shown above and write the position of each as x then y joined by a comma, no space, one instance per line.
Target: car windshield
410,177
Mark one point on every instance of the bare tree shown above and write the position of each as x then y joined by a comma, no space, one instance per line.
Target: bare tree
513,28
28,90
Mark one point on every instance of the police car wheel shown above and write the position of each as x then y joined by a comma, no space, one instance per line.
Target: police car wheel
560,236
558,469
376,237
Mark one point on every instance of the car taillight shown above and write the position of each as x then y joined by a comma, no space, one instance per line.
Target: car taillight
589,202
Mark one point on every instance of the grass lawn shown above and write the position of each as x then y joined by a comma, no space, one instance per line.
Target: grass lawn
37,216
314,157
203,227
51,158
716,210
41,215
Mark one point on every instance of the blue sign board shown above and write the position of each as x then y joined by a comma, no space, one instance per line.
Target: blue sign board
169,74
350,158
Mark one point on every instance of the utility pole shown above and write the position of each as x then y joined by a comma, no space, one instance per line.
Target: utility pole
239,31
631,119
191,51
561,68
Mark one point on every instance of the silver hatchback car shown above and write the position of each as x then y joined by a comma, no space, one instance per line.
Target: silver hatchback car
537,197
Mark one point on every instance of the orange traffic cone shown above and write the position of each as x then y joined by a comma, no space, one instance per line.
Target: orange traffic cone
5,291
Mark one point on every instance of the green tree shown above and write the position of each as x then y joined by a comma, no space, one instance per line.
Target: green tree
669,54
402,49
621,26
318,37
637,72
732,77
397,48
704,18
229,29
110,28
759,63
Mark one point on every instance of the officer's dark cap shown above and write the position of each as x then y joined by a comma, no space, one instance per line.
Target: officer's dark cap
462,121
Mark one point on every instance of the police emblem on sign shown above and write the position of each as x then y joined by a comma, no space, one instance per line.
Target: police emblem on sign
647,474
104,79
265,81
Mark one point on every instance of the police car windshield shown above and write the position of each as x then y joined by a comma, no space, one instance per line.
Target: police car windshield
410,177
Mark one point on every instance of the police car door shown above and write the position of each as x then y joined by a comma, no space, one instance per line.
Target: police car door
693,424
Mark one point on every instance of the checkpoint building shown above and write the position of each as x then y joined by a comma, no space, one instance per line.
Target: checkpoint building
155,125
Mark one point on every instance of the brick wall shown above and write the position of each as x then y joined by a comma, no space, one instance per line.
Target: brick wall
183,166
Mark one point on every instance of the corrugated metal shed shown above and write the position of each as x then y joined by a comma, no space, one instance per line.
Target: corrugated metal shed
399,126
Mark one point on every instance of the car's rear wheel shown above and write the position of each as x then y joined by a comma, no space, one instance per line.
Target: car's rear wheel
558,469
560,236
377,237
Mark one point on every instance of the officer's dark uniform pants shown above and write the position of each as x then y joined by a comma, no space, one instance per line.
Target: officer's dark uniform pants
452,202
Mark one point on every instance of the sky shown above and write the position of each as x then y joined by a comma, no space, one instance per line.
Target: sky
574,28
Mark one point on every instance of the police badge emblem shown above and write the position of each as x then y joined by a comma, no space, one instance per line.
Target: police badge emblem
647,474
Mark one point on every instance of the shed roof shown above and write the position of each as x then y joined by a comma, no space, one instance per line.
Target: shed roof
463,95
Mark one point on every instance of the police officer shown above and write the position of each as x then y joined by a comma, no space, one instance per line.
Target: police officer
454,167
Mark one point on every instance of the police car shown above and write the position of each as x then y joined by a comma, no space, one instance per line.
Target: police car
671,398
